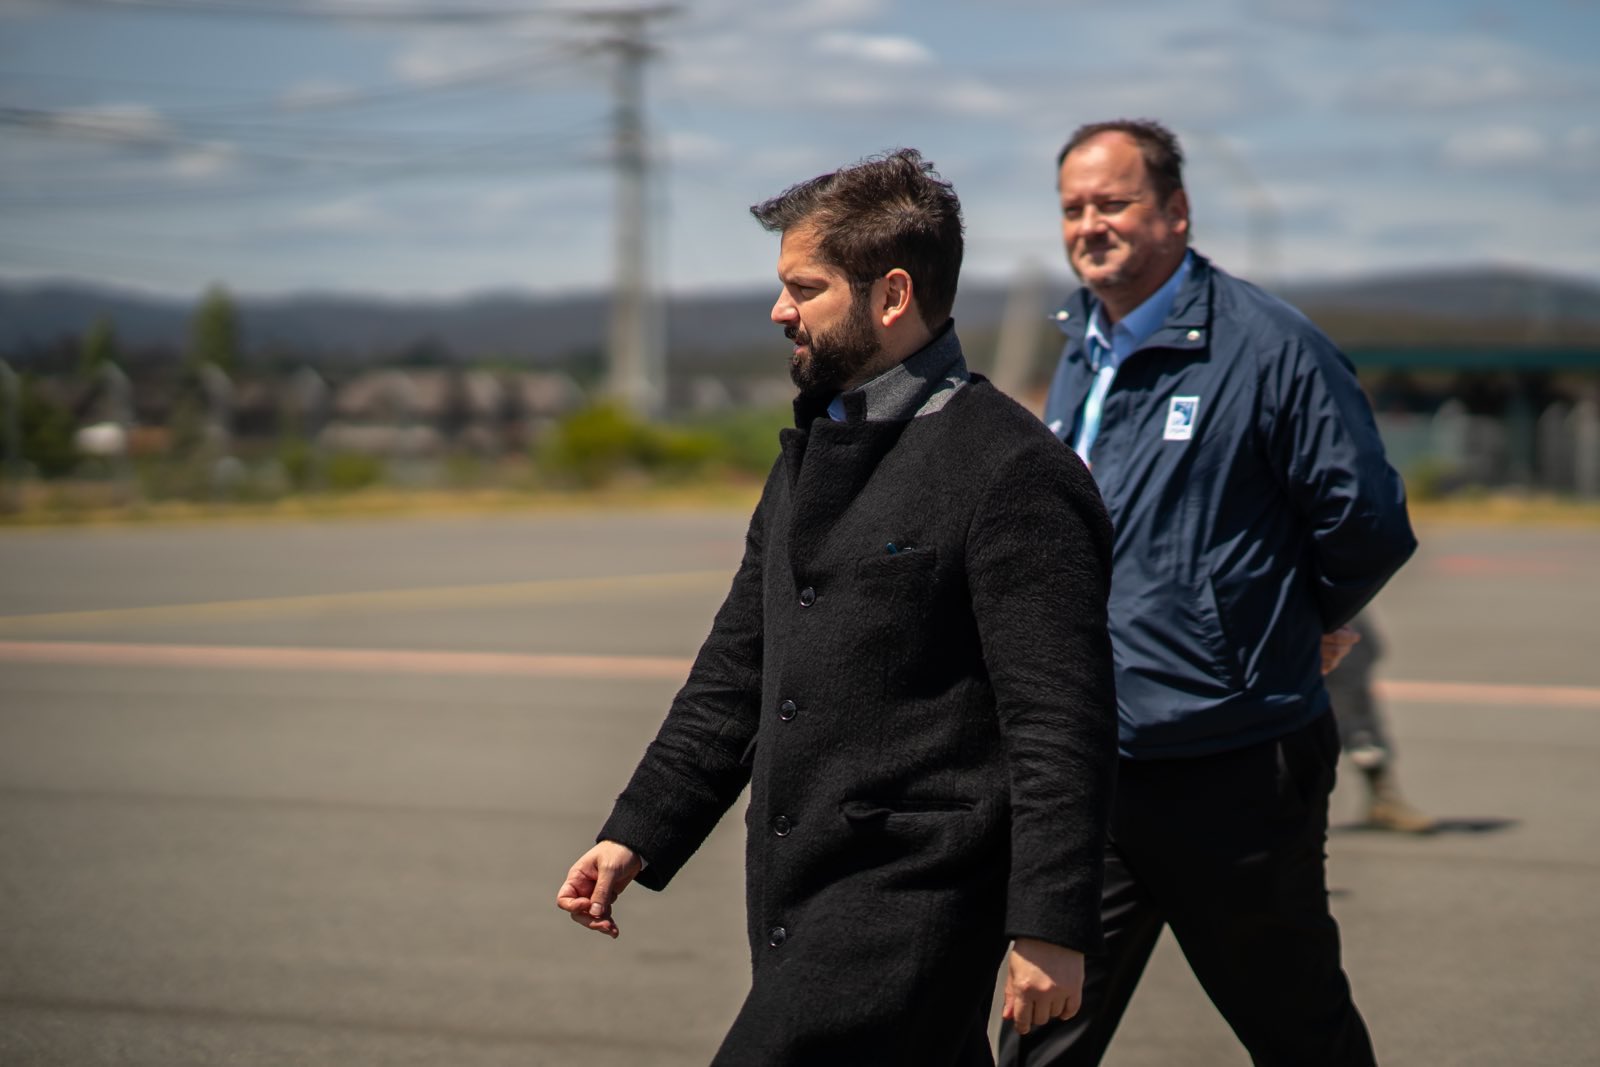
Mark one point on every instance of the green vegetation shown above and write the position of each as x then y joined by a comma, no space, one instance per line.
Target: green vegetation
601,444
349,471
47,431
99,348
214,331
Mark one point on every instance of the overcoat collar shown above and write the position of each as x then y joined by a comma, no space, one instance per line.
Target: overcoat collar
828,463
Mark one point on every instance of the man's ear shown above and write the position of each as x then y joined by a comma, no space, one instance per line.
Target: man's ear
894,298
1177,211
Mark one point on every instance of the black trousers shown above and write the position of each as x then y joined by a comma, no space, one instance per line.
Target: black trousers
1229,851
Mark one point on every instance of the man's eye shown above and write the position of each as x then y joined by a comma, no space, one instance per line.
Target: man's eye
1072,212
1113,206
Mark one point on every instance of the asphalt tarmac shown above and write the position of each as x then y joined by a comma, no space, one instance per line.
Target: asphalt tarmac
302,793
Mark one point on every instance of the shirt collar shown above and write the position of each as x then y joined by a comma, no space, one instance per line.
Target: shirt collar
1137,325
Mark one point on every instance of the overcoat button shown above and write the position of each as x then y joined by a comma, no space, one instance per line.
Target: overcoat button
786,710
808,597
777,936
781,825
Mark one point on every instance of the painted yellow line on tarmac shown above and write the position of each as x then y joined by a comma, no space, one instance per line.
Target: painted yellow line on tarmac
547,589
359,660
605,668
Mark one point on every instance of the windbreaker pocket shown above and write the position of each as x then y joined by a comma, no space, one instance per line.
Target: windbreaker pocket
1219,643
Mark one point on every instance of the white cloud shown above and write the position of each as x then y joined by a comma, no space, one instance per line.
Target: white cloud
968,96
445,55
1492,146
1430,73
204,161
1446,85
432,60
351,214
855,91
863,74
870,48
506,201
789,162
132,122
690,147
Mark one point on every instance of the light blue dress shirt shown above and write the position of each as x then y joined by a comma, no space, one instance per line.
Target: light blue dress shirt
1106,354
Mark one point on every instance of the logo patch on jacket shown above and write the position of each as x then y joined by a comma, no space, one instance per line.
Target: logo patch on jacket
1180,418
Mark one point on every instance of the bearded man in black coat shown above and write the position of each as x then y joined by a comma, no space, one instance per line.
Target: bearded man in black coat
911,671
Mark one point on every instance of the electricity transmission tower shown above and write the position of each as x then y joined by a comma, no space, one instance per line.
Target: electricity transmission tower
636,366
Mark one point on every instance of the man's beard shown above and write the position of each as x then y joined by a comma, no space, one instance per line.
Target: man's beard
836,356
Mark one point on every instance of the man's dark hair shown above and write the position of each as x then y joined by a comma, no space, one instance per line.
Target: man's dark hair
884,212
1163,156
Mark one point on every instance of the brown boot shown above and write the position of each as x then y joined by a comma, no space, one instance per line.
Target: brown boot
1388,810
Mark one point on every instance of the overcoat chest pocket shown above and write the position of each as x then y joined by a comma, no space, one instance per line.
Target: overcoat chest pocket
897,564
898,587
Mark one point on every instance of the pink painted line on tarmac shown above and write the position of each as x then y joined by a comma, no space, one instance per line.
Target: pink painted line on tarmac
602,668
1544,696
1501,566
362,660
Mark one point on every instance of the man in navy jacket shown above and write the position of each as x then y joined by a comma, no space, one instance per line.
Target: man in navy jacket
1255,514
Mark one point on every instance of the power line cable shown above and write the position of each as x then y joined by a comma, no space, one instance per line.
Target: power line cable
511,70
198,129
500,152
504,72
150,142
342,12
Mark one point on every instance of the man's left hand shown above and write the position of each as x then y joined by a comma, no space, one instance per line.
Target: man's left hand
1043,982
1337,645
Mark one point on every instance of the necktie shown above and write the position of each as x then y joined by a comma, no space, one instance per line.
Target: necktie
1093,407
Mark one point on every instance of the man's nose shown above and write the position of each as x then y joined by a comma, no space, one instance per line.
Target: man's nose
1091,221
783,311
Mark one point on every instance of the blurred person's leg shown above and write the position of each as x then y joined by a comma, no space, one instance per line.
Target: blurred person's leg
1364,738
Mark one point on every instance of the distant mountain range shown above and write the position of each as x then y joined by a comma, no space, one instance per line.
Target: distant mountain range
1443,307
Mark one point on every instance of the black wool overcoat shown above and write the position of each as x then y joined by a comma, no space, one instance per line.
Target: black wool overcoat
912,672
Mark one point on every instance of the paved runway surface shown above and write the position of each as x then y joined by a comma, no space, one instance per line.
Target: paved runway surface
303,794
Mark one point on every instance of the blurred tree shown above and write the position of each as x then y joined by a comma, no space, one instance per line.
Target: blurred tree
99,348
47,430
214,331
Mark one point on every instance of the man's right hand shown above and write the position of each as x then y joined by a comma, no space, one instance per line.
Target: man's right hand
595,881
1337,645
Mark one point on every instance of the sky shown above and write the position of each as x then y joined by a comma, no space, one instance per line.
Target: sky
317,146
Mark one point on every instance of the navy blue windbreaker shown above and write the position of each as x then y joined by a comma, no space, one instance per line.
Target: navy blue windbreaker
1254,511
